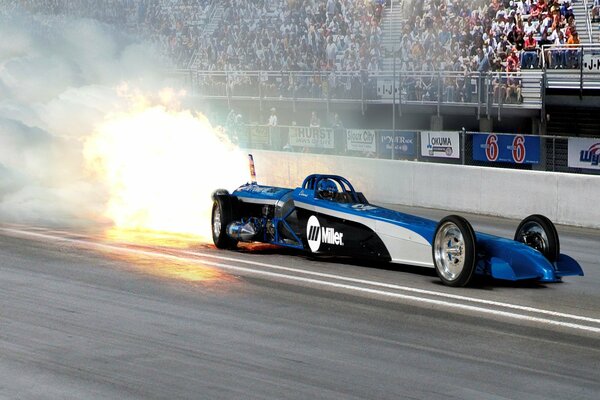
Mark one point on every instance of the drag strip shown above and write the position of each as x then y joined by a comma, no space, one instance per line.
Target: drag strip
422,297
84,314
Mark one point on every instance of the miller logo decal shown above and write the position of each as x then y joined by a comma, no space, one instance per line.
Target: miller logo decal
316,235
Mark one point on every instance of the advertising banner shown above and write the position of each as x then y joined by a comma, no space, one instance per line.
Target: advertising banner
321,138
516,149
385,88
361,140
259,136
584,153
591,62
404,144
440,144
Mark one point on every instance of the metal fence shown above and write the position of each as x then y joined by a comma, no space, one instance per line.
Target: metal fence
568,66
544,153
497,89
571,67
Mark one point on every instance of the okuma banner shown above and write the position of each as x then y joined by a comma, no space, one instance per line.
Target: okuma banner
440,144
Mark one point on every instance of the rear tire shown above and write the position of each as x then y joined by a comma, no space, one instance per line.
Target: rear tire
454,251
538,232
222,216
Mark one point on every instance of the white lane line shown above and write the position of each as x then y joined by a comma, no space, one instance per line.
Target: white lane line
398,287
379,292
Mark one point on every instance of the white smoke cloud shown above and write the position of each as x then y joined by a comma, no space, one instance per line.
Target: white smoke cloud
58,81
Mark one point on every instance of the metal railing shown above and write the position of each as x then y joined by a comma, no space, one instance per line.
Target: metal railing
588,23
482,90
549,153
572,66
562,66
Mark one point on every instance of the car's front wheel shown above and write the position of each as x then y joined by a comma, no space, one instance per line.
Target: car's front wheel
454,252
538,232
222,216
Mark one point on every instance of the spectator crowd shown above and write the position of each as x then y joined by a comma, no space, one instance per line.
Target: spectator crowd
487,36
176,25
327,37
288,35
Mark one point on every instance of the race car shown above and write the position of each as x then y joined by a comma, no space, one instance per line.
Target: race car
326,216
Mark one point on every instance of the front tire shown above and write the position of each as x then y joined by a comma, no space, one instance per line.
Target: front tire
538,232
454,251
222,216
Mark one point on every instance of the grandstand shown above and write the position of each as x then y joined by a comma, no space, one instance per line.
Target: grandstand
482,65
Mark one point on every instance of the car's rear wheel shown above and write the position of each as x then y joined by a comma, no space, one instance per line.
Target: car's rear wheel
538,232
454,251
222,216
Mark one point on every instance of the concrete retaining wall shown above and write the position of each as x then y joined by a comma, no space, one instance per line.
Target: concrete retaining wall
564,198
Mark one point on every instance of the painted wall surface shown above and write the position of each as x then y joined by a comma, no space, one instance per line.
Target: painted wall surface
564,198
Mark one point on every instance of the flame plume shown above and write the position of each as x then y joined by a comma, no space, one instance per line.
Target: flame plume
160,167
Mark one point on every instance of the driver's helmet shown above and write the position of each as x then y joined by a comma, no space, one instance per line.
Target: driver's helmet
327,189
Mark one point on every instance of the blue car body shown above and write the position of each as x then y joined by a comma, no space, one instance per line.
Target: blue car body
349,226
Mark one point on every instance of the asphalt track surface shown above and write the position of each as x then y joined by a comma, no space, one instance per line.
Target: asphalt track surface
85,315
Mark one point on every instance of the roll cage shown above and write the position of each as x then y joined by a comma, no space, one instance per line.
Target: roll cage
347,194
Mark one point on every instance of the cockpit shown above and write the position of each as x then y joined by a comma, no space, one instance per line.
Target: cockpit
333,188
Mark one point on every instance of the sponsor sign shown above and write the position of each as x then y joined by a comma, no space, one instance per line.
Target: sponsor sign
584,153
516,149
385,88
312,137
316,235
440,144
361,140
259,136
404,144
591,62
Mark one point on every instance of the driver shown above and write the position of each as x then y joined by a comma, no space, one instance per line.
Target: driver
327,189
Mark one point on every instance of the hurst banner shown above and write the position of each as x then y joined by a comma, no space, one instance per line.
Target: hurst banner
321,138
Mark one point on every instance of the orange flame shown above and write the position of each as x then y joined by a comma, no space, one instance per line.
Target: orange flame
160,166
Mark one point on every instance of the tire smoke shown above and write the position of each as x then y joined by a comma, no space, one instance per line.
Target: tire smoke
92,133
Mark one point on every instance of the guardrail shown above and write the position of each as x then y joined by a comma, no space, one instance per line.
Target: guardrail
437,88
564,198
526,152
563,67
588,23
572,66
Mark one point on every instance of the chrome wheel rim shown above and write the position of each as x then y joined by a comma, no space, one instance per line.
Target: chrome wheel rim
449,251
216,221
533,235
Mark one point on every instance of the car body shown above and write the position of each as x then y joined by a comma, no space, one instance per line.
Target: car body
341,222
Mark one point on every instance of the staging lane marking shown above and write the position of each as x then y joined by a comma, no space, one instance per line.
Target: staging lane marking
507,314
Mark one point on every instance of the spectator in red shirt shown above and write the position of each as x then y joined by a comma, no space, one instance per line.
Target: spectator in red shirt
529,58
512,61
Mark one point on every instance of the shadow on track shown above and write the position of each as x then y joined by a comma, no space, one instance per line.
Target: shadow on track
484,283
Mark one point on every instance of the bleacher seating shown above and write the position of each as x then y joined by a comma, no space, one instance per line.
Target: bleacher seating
245,34
480,35
350,38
